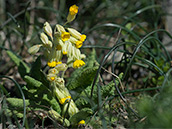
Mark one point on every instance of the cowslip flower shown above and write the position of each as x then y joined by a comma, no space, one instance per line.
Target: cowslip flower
78,63
82,122
77,43
72,109
65,36
62,101
76,34
73,10
51,64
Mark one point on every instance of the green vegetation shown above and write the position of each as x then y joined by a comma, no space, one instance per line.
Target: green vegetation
125,82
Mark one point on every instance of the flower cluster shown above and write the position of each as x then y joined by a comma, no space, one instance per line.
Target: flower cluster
57,44
62,42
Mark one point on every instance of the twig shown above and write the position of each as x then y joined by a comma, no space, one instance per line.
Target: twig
116,77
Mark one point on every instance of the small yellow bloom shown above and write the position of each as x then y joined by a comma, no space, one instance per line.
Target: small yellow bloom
73,9
64,52
51,64
76,34
59,62
52,78
82,122
62,101
65,36
78,63
78,44
83,37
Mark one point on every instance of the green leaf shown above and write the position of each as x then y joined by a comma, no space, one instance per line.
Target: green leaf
81,115
22,67
84,76
32,82
11,113
83,79
37,73
106,90
41,94
16,103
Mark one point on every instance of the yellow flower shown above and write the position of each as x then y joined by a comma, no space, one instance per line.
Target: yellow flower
78,63
76,34
79,44
51,64
81,122
73,9
65,36
51,77
64,52
62,101
59,62
83,37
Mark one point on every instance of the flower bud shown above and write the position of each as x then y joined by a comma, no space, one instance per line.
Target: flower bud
47,29
53,71
58,57
59,29
77,53
51,77
61,67
56,116
44,38
83,56
72,108
49,44
64,48
60,82
34,49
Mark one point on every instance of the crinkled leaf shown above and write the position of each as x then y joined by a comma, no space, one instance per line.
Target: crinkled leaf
83,79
